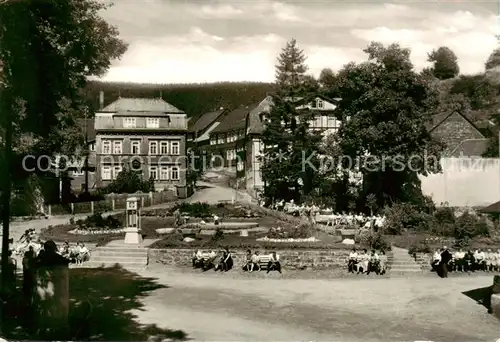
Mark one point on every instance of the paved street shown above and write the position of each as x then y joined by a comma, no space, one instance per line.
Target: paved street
243,307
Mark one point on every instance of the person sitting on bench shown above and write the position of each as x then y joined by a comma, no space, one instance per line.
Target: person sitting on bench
197,258
353,259
254,264
227,260
248,261
274,263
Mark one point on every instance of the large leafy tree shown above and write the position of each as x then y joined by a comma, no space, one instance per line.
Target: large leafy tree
287,139
385,106
48,49
445,63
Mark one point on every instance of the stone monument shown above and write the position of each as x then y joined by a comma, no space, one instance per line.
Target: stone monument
51,294
133,222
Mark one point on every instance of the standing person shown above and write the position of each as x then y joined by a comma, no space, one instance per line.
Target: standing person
383,262
227,262
443,265
28,274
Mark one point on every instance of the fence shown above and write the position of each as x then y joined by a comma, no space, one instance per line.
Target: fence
111,202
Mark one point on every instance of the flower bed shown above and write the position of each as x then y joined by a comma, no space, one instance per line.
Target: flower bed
96,231
204,210
290,240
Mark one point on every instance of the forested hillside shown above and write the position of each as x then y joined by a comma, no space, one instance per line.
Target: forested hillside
194,99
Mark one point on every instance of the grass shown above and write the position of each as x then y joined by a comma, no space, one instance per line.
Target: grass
101,301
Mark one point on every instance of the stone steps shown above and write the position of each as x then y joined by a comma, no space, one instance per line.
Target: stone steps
129,257
402,263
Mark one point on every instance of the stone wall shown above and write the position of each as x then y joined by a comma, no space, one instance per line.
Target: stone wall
290,259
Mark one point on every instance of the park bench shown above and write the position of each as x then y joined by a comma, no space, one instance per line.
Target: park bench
264,261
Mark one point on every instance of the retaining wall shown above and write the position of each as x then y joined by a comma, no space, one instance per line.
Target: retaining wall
290,259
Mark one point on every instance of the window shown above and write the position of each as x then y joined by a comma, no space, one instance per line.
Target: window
117,147
153,172
106,173
164,147
174,148
164,173
116,171
153,123
129,122
92,147
153,147
135,146
320,103
175,173
213,141
240,166
220,139
77,173
106,147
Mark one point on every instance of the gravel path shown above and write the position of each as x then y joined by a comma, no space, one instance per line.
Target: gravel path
237,307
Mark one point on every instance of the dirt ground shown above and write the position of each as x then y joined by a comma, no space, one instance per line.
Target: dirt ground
251,307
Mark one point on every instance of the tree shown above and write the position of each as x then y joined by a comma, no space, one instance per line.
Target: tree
47,49
286,137
445,63
129,181
384,107
493,60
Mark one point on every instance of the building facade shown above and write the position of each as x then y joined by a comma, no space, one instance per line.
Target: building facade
147,135
227,140
324,120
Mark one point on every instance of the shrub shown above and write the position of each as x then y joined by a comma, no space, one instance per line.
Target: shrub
422,247
468,226
98,221
197,209
218,236
403,216
444,215
129,181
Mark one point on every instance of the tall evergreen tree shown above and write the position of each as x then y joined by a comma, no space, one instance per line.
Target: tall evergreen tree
287,140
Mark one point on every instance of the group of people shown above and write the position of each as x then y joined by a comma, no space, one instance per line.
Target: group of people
365,263
323,214
253,262
444,261
223,261
219,261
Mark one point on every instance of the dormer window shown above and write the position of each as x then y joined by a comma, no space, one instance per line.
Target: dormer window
319,103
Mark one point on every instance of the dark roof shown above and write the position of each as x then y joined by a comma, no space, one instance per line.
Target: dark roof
492,208
141,105
255,125
235,119
205,121
438,119
470,148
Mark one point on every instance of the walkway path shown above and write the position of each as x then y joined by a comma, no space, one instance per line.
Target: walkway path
226,307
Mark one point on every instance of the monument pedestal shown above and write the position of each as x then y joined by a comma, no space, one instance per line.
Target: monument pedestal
133,236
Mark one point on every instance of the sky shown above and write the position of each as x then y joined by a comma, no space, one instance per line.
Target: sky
191,41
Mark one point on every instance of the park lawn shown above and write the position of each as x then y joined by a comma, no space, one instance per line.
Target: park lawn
434,242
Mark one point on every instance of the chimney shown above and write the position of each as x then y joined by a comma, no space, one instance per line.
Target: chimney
101,100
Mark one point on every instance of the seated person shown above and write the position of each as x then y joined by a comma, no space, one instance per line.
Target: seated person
363,259
373,263
383,262
81,253
490,260
480,260
353,259
209,262
469,261
248,261
197,258
216,220
65,250
459,260
227,260
274,263
255,262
